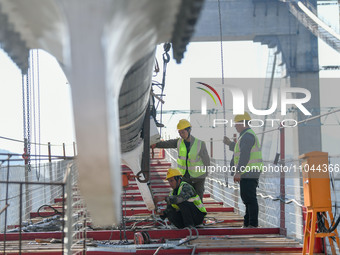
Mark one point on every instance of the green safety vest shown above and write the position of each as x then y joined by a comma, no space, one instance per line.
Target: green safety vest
196,199
255,161
193,160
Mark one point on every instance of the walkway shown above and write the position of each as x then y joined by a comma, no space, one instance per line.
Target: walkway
145,233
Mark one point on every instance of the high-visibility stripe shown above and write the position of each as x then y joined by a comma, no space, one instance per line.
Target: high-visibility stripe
179,142
189,161
195,160
196,199
255,161
237,154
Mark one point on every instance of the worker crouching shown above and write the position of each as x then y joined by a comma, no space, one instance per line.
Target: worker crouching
184,206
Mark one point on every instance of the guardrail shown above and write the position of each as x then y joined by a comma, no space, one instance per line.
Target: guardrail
25,194
276,209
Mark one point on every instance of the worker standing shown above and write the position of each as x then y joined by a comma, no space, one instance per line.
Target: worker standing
247,165
193,159
184,206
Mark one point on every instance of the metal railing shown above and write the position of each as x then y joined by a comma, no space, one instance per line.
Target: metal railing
220,185
33,195
25,196
78,218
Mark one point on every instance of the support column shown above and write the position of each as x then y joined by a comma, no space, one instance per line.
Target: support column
300,54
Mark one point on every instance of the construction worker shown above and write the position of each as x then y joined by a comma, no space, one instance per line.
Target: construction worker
184,206
247,165
193,159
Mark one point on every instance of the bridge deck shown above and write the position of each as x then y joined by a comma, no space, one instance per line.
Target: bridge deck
221,232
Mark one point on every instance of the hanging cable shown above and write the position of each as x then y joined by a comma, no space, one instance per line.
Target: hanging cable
221,39
334,191
23,107
33,107
24,83
223,96
161,86
38,87
32,103
28,124
166,60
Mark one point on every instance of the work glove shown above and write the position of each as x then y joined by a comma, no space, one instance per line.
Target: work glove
226,140
170,200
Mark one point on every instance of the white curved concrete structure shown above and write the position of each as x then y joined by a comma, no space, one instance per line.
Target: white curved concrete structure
96,43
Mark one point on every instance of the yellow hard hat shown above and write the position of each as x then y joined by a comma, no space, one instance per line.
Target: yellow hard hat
242,117
183,124
172,172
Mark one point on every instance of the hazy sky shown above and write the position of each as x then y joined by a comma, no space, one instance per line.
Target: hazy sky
56,117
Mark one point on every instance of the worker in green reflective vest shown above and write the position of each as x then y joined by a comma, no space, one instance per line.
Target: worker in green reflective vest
193,159
184,206
247,165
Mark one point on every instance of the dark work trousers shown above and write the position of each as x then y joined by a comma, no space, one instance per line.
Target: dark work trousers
248,195
197,183
187,216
